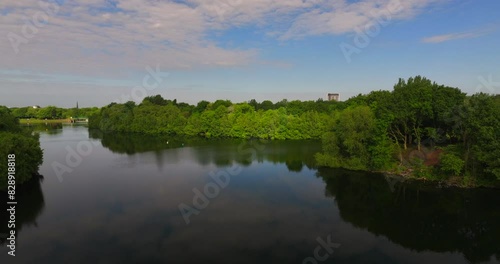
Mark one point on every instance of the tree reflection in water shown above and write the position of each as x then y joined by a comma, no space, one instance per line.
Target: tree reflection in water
417,215
30,204
221,152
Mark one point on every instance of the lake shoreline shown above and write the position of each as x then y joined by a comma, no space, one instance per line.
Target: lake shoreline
393,178
405,176
44,121
454,182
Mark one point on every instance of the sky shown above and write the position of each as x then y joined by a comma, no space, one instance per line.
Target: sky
58,52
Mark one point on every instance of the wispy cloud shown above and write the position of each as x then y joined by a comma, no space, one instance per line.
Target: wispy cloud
456,36
339,17
33,77
101,37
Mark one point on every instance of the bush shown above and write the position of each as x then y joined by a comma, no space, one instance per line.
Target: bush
29,156
452,164
420,170
26,147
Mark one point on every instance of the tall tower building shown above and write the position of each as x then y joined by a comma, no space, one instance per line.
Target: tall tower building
333,97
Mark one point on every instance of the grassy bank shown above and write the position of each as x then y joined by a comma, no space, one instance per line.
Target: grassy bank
43,121
464,182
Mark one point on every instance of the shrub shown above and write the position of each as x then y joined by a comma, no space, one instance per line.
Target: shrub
452,164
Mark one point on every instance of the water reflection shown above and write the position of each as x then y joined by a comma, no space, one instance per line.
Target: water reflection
30,204
48,128
222,152
120,205
418,216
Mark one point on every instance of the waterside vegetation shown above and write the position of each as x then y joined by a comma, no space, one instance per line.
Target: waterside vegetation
420,129
21,142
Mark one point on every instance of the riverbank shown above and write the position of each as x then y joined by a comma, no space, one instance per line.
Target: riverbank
43,121
463,182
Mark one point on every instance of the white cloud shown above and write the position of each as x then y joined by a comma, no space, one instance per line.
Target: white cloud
339,16
93,37
455,36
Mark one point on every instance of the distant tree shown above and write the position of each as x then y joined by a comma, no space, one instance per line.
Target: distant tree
21,112
8,122
185,107
219,103
49,112
201,106
282,103
157,100
266,105
254,104
130,104
296,107
32,112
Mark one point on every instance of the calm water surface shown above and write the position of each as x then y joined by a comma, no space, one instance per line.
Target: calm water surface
120,204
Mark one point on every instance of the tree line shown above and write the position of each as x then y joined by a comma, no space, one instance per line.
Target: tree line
23,144
420,128
52,112
220,119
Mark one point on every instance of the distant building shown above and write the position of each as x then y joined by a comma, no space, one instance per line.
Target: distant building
36,106
77,110
333,97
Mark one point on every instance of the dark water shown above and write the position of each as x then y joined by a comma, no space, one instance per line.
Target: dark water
120,204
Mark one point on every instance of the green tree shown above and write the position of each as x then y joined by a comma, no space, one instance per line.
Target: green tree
481,140
20,112
156,100
266,105
201,106
26,148
412,107
7,121
219,103
347,145
452,164
49,112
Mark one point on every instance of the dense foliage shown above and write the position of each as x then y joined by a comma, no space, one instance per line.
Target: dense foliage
220,119
26,147
422,128
407,130
52,112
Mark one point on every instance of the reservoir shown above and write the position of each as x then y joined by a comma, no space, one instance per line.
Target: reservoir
125,198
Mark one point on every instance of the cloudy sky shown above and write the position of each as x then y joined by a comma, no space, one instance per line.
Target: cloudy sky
58,52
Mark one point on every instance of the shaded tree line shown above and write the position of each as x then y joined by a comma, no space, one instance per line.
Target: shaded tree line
21,142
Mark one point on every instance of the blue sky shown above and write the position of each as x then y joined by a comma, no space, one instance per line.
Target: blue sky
97,51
